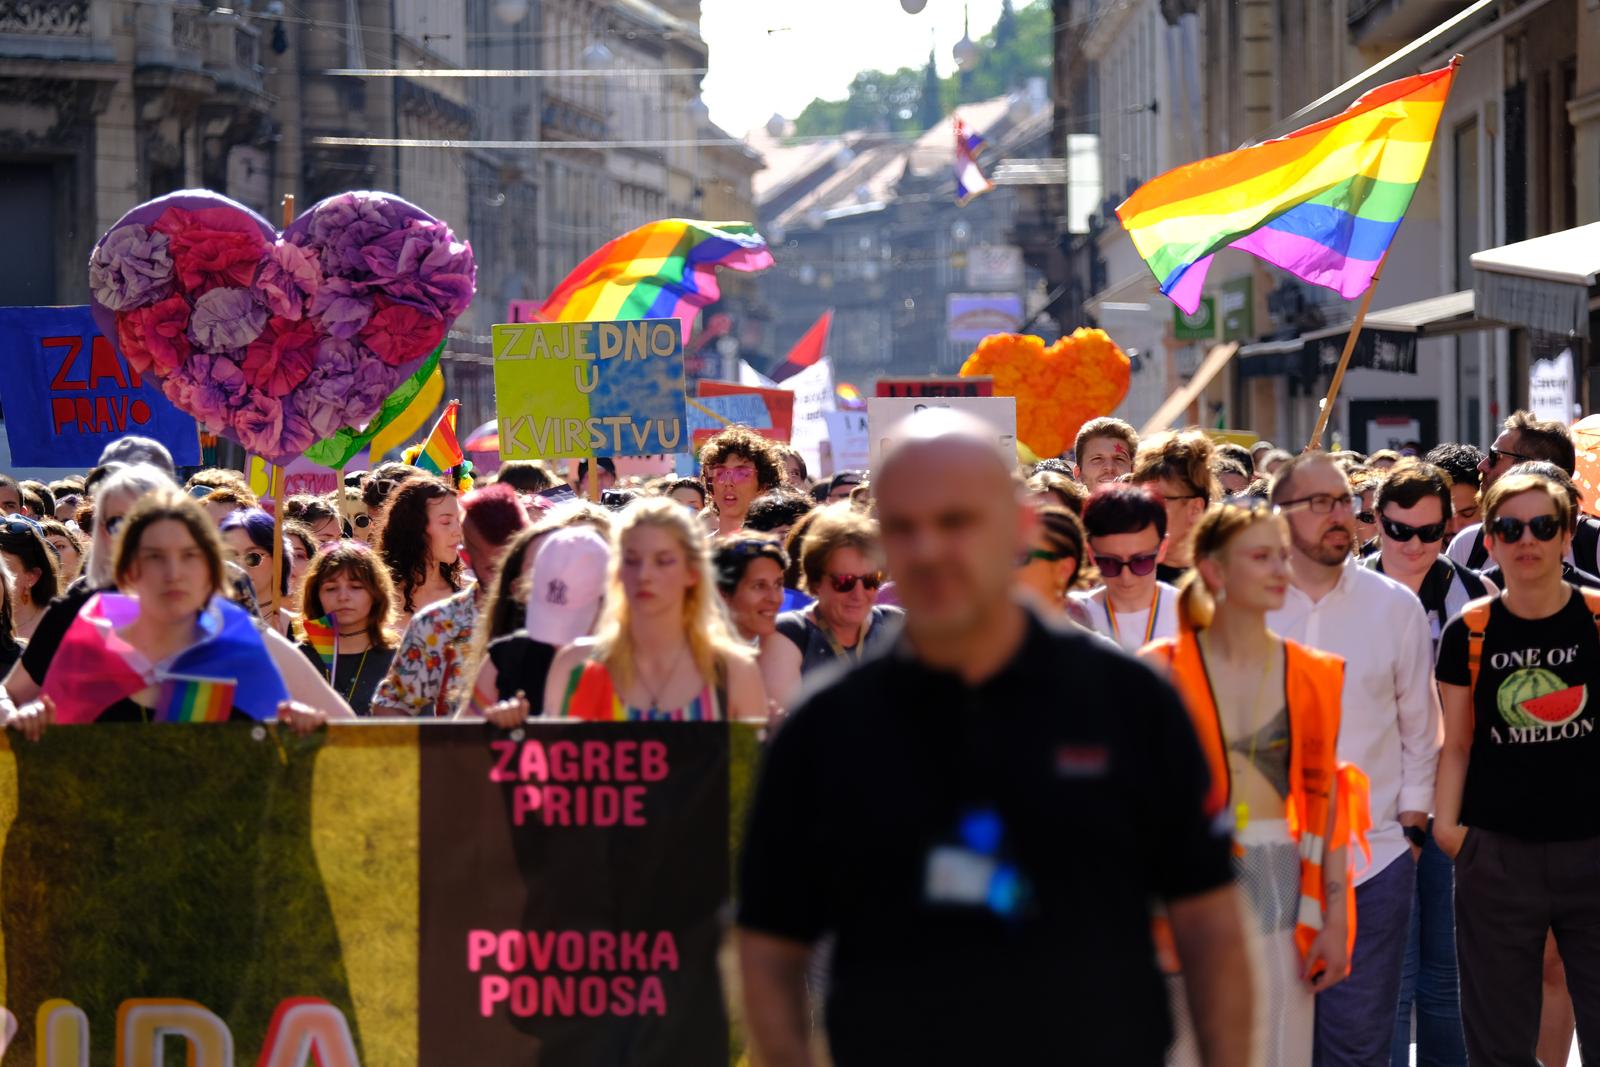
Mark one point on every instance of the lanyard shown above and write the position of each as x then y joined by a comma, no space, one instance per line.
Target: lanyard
1150,624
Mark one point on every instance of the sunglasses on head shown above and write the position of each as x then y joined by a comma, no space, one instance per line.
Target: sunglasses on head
1509,530
1041,554
1139,566
21,526
200,492
844,583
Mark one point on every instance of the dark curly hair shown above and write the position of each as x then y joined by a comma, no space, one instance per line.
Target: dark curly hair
403,541
747,444
782,506
383,480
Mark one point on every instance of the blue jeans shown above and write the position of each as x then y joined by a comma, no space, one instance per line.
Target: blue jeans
1428,976
1353,1017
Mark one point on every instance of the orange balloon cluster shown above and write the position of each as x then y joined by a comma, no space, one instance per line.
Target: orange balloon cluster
1058,388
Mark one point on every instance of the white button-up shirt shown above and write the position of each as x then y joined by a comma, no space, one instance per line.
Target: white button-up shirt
1390,724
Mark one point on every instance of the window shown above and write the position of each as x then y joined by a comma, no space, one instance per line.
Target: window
1466,219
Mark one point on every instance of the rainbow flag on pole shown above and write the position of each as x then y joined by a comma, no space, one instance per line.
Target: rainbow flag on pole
662,270
184,698
1322,202
442,451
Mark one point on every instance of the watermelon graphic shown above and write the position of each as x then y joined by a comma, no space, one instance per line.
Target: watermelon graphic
1537,697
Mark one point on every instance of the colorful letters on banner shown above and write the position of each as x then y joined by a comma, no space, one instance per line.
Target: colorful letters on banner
550,897
68,392
576,389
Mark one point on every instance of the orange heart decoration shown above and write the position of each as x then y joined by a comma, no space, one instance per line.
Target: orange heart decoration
1059,388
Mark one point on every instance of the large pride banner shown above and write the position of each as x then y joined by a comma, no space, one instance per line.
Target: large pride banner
378,894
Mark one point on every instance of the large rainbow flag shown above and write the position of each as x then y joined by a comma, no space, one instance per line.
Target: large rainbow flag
1322,202
662,270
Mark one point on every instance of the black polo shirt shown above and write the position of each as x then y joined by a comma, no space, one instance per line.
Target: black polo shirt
1087,763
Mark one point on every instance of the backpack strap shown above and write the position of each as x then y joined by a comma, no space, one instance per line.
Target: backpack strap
1480,552
1470,580
1476,616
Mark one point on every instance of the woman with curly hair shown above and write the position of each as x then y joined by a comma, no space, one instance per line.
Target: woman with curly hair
420,543
737,465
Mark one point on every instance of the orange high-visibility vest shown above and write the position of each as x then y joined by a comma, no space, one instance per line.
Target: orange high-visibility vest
1313,681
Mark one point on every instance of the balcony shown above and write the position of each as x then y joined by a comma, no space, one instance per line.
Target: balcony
55,30
170,44
233,52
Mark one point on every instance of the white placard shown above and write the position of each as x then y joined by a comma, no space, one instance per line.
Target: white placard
884,412
1551,389
848,442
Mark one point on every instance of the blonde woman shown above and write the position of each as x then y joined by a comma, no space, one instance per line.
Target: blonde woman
1266,711
663,651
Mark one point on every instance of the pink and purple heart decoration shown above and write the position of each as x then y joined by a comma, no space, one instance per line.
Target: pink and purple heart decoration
279,341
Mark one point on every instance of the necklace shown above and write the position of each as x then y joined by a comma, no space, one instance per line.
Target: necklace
1150,624
654,691
1241,810
355,679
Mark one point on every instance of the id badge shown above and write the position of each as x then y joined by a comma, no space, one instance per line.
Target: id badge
957,876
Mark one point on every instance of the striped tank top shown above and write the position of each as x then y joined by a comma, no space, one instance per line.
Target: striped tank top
591,696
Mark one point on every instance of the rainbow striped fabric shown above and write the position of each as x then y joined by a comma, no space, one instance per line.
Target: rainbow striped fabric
442,451
1322,202
662,270
320,634
184,698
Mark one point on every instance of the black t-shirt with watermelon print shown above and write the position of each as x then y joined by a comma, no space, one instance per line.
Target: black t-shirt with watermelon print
1535,764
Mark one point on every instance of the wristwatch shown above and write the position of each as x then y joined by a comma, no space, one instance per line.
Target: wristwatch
1416,835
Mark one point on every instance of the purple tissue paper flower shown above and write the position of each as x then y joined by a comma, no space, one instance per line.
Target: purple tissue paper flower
258,425
132,268
225,319
288,280
297,433
341,227
208,387
340,308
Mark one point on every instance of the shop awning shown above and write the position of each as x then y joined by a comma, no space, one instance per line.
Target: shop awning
1543,284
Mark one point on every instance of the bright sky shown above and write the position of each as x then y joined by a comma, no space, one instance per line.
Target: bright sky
816,47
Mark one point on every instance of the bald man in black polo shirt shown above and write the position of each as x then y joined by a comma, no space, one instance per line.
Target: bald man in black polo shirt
983,816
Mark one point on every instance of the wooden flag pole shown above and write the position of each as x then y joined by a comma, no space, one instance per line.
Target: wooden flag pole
277,480
592,482
1344,360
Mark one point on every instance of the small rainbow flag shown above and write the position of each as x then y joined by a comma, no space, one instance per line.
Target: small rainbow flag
1322,202
662,270
184,698
441,450
320,634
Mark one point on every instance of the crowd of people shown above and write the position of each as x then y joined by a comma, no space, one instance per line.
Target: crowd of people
1171,752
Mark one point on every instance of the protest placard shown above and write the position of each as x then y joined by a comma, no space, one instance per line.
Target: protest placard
847,441
68,392
779,424
977,385
579,389
551,896
883,413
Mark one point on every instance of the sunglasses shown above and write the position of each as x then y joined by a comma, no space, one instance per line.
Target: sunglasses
362,521
1321,503
1367,518
1399,531
253,559
21,526
1039,553
200,492
1509,530
844,583
732,474
1495,455
1139,566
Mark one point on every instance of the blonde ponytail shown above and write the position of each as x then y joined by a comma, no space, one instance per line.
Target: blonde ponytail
1196,606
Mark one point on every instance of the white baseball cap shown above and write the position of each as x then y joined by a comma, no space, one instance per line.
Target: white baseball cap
566,585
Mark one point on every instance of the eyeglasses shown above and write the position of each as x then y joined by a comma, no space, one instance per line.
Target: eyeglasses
1321,503
1399,531
1139,566
735,475
844,583
1496,453
1038,553
1509,530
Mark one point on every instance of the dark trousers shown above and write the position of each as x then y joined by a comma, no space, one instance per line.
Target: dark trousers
1509,893
1428,979
1353,1018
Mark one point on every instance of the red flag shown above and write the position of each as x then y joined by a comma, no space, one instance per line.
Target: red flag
807,351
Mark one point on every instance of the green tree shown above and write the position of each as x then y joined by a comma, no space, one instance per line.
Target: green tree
1015,49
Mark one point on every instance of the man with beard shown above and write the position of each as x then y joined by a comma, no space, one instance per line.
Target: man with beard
1390,728
989,887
